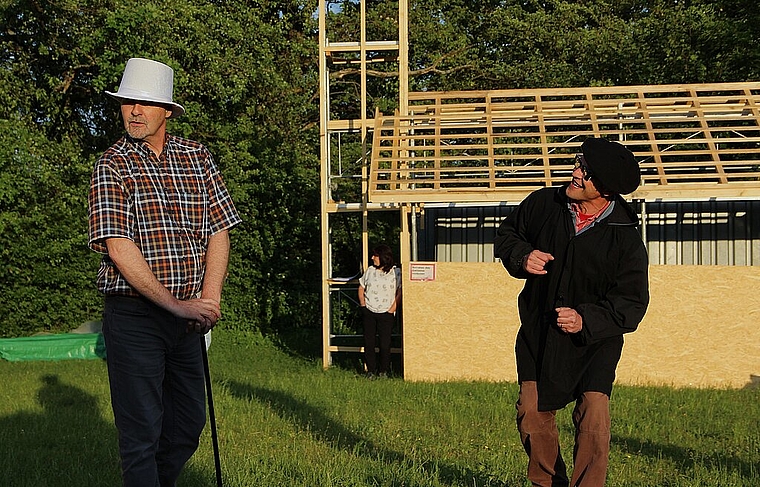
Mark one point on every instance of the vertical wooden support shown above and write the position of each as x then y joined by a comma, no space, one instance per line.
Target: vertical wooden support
403,56
365,168
324,181
406,212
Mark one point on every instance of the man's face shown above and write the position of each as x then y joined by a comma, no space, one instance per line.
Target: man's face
582,186
145,120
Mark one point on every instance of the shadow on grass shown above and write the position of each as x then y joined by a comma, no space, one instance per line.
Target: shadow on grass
687,458
69,443
303,343
315,422
306,343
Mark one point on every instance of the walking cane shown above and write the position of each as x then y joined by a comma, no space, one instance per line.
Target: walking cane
212,417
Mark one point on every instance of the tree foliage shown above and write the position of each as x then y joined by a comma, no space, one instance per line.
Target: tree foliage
247,74
537,44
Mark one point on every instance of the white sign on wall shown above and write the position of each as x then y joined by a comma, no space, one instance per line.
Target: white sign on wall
422,271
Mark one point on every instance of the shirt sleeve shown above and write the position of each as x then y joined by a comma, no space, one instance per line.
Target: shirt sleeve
109,208
222,212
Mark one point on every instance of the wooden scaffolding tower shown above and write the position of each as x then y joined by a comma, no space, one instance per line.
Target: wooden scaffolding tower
360,53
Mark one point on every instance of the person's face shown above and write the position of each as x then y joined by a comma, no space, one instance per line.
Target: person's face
145,121
376,260
582,186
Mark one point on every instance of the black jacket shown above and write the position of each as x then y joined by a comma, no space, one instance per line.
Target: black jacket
601,273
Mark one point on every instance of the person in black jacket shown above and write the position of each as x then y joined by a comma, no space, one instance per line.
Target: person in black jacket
586,284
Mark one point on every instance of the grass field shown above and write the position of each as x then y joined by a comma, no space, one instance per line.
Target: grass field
283,421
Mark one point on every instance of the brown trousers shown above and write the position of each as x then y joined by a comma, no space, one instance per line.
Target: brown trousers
540,438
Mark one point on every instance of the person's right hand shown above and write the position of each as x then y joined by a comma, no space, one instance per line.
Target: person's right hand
535,262
201,310
202,314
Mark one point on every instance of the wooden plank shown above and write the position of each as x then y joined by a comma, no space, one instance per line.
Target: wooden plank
348,348
679,192
599,91
491,149
708,135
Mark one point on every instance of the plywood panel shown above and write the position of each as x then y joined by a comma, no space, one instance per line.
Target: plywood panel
701,329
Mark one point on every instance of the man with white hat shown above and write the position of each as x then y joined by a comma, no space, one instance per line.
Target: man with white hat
585,269
160,214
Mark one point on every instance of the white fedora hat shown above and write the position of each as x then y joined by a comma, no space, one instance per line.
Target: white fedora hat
147,80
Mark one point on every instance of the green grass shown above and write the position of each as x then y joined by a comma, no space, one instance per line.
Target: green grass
283,421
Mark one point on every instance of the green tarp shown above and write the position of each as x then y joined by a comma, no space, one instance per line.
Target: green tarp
65,346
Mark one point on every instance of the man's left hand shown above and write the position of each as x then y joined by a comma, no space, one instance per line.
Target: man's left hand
568,320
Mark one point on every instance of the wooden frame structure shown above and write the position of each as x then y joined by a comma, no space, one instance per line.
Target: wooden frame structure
490,147
694,141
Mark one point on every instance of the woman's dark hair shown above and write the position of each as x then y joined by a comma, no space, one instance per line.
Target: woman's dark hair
386,257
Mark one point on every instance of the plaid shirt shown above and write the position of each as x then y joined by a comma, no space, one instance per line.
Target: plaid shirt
168,205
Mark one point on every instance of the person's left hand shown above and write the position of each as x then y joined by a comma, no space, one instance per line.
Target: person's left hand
568,320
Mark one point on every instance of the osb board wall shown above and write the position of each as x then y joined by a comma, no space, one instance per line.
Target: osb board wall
702,328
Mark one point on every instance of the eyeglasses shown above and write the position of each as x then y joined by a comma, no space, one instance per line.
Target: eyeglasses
580,163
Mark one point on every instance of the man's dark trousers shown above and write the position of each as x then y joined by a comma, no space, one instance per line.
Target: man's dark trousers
155,372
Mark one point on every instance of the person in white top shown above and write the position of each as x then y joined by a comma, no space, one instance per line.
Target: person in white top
379,297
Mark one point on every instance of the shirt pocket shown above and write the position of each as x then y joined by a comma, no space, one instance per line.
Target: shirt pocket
193,211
